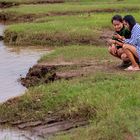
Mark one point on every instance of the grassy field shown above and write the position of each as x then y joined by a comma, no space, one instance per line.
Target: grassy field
71,7
58,30
108,97
66,23
62,30
76,52
110,100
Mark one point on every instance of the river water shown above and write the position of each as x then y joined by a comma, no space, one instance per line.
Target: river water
14,63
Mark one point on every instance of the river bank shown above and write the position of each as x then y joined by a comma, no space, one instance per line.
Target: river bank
76,84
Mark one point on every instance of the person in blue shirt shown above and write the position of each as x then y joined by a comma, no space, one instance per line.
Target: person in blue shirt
131,46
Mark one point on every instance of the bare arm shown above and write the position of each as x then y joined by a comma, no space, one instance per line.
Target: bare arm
119,43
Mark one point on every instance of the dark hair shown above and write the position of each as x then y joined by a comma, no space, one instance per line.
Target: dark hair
130,20
117,17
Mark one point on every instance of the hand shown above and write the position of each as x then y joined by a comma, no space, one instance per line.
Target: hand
111,41
118,36
113,49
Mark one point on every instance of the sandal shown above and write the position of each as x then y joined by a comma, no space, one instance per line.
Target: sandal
131,68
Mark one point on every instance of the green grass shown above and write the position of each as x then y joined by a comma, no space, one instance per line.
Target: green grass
70,7
73,29
73,53
110,101
60,30
65,23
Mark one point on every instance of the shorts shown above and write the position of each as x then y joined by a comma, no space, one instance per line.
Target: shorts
118,47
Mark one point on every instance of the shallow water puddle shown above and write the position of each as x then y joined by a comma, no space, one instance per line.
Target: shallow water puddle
11,134
15,63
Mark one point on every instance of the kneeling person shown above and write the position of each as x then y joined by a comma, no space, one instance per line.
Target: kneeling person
115,49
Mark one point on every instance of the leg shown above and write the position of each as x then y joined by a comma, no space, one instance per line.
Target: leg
124,57
131,53
120,52
113,51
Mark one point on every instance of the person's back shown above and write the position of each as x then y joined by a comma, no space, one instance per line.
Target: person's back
131,46
135,35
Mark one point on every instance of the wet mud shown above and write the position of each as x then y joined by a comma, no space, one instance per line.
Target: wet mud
7,4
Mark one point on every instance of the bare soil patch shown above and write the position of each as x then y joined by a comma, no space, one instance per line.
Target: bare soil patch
49,72
49,126
46,73
15,18
7,4
57,39
9,18
46,1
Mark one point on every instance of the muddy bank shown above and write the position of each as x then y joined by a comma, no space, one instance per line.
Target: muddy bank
56,39
10,18
7,4
46,1
90,11
4,4
16,18
46,73
47,127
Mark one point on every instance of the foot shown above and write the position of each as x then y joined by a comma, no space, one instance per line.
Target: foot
131,68
124,64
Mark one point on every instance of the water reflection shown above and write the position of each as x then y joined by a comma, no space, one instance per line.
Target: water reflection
10,134
13,64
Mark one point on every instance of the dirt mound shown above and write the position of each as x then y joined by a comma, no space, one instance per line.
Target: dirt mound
7,4
13,18
39,74
49,126
4,4
46,73
47,1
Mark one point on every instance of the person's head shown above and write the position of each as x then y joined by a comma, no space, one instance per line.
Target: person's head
117,22
129,21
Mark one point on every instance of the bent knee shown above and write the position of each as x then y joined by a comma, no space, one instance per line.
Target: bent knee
120,51
128,46
124,56
125,46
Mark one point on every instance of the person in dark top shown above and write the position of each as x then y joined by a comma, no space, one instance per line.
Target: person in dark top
116,50
131,46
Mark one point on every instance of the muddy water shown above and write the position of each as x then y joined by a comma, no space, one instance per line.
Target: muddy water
13,64
13,134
